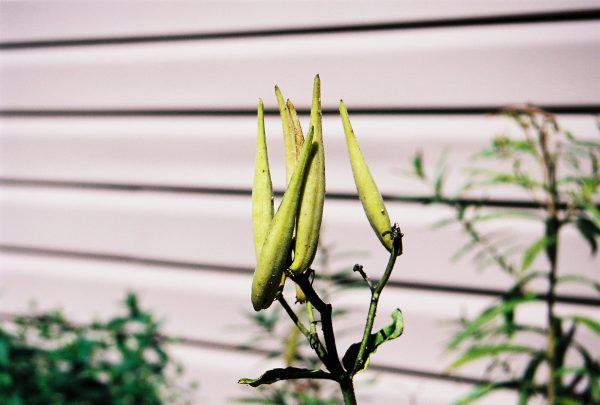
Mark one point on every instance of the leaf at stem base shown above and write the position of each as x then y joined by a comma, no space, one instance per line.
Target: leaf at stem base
392,331
288,373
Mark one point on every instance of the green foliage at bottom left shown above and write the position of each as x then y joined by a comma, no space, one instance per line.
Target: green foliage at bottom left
44,359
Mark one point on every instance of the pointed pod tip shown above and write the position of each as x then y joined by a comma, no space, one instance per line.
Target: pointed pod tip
290,105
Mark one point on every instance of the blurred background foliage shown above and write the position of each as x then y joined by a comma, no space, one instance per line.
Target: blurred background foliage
559,175
45,359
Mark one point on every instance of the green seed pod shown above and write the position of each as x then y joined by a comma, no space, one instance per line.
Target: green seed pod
365,185
288,136
297,128
276,249
300,297
262,190
310,213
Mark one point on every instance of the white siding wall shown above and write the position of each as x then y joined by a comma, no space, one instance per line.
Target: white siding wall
127,134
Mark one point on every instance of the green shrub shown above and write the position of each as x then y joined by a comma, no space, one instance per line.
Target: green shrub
44,359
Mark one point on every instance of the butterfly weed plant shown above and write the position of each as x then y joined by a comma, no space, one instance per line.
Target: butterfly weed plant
560,174
286,242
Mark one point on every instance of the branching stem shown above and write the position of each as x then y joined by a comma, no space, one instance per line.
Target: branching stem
313,339
328,354
375,294
333,362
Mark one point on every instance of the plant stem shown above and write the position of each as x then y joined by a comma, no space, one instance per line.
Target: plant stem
311,318
554,380
347,387
333,361
552,229
313,339
375,294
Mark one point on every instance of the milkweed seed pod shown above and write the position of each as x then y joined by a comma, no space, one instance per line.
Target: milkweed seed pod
262,190
310,213
300,296
297,128
276,249
289,141
368,193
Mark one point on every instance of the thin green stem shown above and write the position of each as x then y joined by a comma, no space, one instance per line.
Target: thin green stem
552,230
313,339
311,318
375,294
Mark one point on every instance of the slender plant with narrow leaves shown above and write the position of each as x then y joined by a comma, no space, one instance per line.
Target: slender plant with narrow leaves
286,242
561,174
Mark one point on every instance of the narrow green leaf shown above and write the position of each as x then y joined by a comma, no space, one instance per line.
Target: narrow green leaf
564,371
588,322
392,331
445,222
527,384
509,323
562,400
253,400
579,279
417,164
503,215
465,249
592,369
306,399
532,252
593,213
482,390
488,315
589,231
504,147
289,373
492,178
477,352
477,393
440,172
565,340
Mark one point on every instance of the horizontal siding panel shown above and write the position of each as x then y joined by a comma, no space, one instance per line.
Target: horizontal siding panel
206,229
218,152
66,19
466,66
185,301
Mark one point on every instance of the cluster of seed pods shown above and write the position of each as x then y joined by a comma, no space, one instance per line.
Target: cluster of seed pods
287,240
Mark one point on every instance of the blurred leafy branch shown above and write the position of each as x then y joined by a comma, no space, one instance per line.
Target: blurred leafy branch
45,359
560,177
